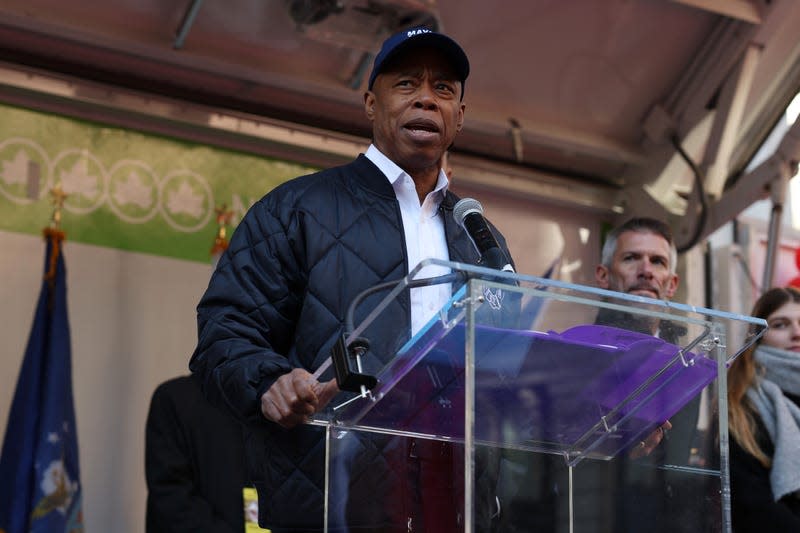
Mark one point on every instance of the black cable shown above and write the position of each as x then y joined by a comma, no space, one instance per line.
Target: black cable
698,185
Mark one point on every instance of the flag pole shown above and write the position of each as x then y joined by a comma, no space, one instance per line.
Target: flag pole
40,488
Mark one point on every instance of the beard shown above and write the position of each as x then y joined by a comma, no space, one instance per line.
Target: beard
652,290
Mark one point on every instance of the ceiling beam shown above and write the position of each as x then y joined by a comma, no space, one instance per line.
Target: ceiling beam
768,178
716,163
269,137
744,10
542,186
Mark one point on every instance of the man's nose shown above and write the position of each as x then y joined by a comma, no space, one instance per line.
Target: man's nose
426,97
646,269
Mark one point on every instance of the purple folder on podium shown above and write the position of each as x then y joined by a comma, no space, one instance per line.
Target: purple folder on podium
588,391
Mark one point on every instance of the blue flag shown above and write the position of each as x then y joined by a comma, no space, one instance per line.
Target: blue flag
40,487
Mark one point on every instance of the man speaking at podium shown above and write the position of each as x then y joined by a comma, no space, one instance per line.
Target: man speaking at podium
279,297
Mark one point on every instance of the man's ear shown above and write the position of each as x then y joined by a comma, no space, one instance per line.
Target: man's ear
671,286
601,276
460,122
369,104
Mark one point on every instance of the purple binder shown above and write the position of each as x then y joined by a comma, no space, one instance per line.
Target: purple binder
590,389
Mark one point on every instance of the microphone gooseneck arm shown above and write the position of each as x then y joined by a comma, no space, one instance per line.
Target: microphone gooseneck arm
413,284
347,352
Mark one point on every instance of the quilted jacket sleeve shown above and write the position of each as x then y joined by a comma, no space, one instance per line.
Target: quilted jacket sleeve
247,316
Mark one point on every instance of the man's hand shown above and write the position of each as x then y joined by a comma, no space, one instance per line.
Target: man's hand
649,444
295,396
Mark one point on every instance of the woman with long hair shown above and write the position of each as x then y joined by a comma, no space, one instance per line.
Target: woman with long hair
764,421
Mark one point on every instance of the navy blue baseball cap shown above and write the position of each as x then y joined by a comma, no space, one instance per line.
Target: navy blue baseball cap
401,40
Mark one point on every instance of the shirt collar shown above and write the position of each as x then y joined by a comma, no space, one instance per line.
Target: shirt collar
393,172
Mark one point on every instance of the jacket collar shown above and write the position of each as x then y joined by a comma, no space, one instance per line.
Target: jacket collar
371,177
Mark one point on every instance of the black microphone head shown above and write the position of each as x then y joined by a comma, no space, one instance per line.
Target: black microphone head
468,213
464,207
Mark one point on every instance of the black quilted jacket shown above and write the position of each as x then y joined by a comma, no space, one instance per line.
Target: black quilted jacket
278,299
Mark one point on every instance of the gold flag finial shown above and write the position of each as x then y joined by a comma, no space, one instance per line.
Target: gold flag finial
57,197
224,216
53,232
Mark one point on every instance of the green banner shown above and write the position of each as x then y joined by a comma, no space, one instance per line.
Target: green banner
127,189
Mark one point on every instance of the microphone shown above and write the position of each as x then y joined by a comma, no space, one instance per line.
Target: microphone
468,213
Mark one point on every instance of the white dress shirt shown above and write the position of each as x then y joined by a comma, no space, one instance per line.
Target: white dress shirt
425,238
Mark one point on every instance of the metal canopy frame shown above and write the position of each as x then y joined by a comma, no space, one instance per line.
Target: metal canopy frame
716,99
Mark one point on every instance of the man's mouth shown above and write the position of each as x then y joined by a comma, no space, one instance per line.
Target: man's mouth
422,128
644,291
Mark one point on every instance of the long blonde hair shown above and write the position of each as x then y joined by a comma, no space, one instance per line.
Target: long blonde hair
742,375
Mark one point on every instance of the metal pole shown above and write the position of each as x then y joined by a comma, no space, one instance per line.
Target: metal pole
773,234
778,194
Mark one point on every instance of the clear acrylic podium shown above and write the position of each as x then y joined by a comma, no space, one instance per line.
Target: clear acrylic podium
522,406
